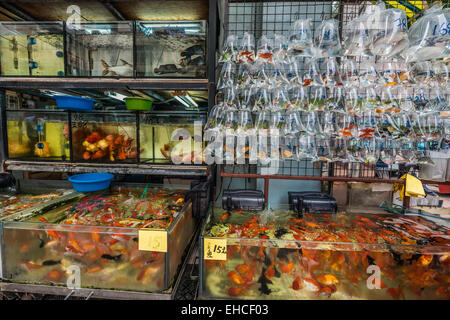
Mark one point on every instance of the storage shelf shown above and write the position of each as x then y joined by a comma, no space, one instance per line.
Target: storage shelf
122,168
103,83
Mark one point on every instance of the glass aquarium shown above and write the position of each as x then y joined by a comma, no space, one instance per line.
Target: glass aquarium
100,49
31,49
278,255
104,137
100,236
171,49
168,138
38,135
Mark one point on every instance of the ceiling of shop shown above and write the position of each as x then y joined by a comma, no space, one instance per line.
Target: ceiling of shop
113,10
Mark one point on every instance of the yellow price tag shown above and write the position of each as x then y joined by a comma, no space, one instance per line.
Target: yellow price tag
153,240
215,249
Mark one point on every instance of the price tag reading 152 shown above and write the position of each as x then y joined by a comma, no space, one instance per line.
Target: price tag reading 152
215,249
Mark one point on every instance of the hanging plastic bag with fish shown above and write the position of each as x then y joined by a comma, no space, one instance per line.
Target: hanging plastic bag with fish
300,98
328,43
229,51
345,124
244,77
388,72
280,49
318,100
280,99
442,71
306,148
331,76
293,73
371,100
368,74
356,38
245,123
263,99
349,72
227,76
260,74
336,100
247,49
392,33
323,149
338,148
301,38
424,74
247,97
278,77
312,75
263,122
389,103
277,121
214,117
353,101
230,97
405,75
264,51
429,36
287,147
406,102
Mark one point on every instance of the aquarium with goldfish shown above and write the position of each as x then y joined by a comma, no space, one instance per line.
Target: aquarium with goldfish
275,254
109,237
104,136
171,138
100,49
38,135
171,49
31,49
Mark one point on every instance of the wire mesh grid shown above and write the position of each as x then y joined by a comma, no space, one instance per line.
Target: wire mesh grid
268,18
306,168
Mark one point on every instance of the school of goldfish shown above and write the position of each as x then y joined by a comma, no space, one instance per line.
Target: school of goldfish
322,256
97,234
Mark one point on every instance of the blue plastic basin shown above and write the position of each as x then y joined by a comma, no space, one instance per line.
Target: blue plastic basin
88,182
74,103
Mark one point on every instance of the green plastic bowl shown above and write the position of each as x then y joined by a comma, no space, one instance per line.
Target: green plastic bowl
138,103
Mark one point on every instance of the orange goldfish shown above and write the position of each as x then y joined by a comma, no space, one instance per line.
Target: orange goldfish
297,284
396,293
327,279
235,278
287,267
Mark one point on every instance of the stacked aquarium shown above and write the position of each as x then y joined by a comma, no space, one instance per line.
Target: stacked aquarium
171,138
100,49
108,238
278,255
171,49
104,136
174,49
38,135
31,49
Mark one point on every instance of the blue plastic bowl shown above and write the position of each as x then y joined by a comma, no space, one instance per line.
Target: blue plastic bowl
74,103
88,182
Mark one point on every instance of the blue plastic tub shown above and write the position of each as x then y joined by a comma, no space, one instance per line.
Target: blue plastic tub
74,103
88,182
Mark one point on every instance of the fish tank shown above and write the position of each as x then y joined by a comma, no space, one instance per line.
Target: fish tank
125,238
100,49
104,136
169,138
13,204
276,254
31,49
171,49
38,135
